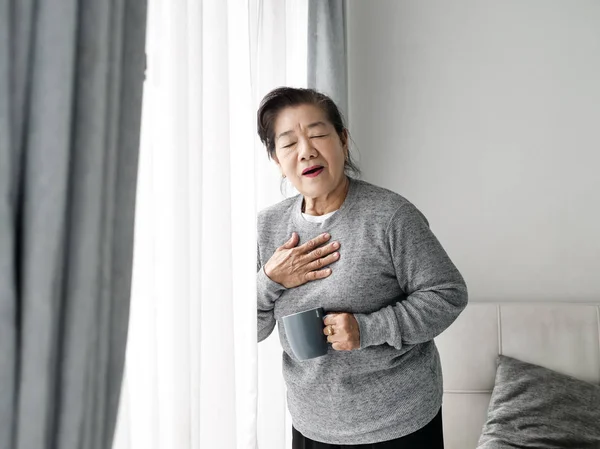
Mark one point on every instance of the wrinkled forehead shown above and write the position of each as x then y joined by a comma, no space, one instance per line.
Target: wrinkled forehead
300,118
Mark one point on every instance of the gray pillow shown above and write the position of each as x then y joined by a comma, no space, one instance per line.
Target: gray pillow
534,407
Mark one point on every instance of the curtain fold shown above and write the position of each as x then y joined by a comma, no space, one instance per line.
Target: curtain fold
71,76
327,51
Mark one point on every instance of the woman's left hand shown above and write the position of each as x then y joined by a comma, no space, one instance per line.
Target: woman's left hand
346,334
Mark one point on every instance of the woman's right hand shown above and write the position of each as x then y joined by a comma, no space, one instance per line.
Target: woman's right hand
292,266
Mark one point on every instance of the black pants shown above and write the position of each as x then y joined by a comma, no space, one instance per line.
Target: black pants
429,437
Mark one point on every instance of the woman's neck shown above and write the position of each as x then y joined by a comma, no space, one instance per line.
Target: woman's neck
330,203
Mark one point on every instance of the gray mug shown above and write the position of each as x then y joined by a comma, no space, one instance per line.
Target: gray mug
304,331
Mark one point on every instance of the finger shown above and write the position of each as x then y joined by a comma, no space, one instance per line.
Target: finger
330,319
331,339
322,251
314,243
323,261
326,330
338,346
292,242
317,274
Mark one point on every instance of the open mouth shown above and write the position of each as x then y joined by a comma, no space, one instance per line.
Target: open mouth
311,172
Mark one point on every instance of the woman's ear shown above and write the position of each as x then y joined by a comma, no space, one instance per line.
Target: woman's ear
345,146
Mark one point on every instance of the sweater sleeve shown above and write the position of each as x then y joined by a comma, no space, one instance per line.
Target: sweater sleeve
268,292
436,292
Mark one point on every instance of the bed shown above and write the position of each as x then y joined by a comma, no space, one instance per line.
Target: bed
563,337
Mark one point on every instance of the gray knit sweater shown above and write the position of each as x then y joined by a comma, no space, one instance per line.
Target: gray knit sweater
403,289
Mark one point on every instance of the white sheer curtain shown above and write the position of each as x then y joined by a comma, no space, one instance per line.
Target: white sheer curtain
281,59
192,361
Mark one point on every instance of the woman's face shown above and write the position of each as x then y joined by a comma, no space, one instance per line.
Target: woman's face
308,150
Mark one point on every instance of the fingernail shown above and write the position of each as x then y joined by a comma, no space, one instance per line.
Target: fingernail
336,244
326,235
336,255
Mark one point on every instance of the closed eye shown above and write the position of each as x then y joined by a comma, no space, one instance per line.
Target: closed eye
315,137
289,145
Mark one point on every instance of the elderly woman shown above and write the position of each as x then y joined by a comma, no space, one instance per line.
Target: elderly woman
367,256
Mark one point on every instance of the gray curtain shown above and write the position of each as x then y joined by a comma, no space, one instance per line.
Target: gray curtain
327,69
71,76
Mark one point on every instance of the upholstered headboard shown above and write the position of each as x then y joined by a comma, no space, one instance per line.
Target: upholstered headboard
564,337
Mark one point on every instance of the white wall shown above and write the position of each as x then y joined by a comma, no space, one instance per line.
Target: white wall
486,115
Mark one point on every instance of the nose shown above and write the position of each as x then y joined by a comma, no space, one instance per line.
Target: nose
306,150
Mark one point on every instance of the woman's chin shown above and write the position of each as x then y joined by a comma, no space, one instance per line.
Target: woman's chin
319,187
